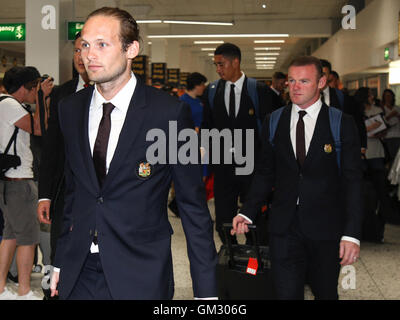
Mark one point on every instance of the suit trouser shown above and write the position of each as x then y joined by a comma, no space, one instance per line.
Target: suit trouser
297,260
228,188
91,283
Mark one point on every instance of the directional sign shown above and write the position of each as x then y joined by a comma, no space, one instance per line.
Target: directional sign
73,28
12,32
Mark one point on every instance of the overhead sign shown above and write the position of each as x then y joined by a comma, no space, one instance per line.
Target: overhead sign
158,73
387,54
12,32
73,28
173,77
183,79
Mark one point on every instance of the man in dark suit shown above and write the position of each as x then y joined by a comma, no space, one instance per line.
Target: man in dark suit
116,238
51,173
278,88
316,214
233,108
334,97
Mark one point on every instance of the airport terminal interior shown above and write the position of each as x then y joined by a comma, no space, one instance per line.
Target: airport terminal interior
360,39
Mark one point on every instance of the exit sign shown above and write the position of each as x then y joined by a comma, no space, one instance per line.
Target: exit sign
387,54
12,32
74,28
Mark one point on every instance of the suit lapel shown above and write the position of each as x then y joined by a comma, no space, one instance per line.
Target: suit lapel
84,138
318,136
132,126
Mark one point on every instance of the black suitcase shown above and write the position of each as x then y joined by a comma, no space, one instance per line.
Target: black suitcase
233,282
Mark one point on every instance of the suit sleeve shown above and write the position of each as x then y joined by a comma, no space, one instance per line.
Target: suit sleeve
352,178
264,176
67,223
195,217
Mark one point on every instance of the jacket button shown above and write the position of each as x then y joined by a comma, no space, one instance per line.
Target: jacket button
100,200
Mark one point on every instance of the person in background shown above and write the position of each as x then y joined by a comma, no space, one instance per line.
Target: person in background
278,87
51,174
375,154
392,117
18,191
333,80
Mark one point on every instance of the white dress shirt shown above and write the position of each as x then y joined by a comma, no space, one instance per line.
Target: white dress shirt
310,120
327,97
121,102
238,93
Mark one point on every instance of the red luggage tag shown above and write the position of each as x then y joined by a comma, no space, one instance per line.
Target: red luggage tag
252,266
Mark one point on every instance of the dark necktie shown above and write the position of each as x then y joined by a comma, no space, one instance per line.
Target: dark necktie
101,144
300,139
232,103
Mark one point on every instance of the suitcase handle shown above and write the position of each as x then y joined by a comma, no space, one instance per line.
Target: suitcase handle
252,228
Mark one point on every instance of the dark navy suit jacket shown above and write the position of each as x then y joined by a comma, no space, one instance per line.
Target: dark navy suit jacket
329,199
130,210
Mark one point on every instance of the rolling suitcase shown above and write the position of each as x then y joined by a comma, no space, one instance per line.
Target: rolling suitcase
235,279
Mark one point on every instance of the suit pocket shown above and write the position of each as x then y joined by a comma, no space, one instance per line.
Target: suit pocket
152,234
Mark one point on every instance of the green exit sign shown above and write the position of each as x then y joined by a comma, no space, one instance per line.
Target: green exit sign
74,28
12,32
387,54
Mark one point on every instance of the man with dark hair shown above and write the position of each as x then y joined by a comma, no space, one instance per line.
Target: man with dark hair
18,191
116,238
333,80
51,175
233,107
316,214
334,97
278,88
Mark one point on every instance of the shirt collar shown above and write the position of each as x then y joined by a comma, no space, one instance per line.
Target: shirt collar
121,100
239,82
312,110
326,91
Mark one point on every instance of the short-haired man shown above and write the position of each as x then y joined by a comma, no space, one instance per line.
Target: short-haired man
51,174
116,239
278,87
18,191
316,214
333,80
233,108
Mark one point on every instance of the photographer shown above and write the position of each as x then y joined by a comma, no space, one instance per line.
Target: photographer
18,192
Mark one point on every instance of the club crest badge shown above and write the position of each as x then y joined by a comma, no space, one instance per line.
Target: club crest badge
327,148
144,170
251,112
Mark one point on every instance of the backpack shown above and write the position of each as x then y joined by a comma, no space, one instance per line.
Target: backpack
335,119
251,89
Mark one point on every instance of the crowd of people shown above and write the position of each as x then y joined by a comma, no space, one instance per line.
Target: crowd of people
88,178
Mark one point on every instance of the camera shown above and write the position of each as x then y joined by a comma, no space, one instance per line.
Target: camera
44,77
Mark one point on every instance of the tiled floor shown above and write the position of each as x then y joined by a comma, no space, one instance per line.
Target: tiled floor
377,272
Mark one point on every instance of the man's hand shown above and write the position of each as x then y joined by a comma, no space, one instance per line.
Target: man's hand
239,225
53,283
43,211
348,252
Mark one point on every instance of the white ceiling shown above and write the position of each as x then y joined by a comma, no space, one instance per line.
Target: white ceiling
304,20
